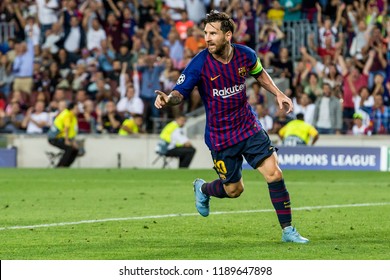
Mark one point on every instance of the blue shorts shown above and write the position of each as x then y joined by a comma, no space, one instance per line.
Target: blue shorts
255,149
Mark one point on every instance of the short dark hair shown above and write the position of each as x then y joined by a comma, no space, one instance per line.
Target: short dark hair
70,105
227,24
300,116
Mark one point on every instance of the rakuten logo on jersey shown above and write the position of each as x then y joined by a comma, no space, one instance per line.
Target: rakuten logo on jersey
227,92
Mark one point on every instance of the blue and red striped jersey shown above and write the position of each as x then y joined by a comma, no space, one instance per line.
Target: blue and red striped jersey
229,117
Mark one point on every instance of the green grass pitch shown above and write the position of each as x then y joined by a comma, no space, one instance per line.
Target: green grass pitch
130,214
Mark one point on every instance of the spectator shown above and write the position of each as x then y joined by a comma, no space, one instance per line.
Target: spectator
36,120
53,38
6,76
11,119
150,69
270,38
380,116
283,66
128,26
363,104
353,81
305,107
358,127
110,120
195,40
183,25
378,48
178,143
95,35
264,118
362,34
130,104
298,132
47,15
176,49
87,118
326,27
241,36
74,39
328,113
276,14
23,66
175,7
196,10
292,9
309,10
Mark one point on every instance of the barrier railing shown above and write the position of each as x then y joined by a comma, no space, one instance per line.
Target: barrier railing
7,30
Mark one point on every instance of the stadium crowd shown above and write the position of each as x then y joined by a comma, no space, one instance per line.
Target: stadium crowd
109,57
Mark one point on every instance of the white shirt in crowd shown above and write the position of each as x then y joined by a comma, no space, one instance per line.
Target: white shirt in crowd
36,33
94,38
72,42
32,128
267,122
324,114
47,13
134,105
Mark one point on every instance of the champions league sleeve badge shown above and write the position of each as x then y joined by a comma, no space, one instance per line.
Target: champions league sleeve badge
181,79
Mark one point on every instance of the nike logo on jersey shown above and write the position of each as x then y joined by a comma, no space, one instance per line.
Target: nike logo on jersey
214,78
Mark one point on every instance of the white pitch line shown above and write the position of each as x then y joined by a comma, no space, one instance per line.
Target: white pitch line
191,214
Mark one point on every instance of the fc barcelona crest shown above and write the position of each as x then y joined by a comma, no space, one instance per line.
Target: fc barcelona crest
242,71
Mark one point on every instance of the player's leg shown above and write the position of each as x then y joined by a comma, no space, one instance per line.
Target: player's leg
227,164
280,198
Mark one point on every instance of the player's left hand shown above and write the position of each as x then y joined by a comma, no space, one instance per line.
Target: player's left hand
286,102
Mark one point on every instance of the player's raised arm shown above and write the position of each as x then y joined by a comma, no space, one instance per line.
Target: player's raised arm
162,99
266,82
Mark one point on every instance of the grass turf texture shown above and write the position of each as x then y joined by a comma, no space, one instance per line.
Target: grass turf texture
49,196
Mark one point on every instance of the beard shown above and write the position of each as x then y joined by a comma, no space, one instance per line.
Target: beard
220,49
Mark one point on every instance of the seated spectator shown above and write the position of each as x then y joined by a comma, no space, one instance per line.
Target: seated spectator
87,118
364,100
36,120
6,77
380,116
132,125
178,143
264,118
130,104
11,119
110,120
305,107
358,127
312,85
281,119
298,132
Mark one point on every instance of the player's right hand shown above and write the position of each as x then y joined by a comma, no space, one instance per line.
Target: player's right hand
161,99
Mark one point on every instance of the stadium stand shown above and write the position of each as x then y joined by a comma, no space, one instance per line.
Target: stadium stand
84,45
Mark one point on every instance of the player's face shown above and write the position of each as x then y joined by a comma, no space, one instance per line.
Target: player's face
216,40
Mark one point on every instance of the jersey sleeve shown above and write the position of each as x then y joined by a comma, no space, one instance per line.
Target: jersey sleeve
255,66
191,75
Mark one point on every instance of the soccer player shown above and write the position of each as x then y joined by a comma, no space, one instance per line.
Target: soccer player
232,129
